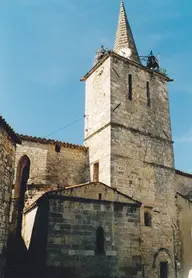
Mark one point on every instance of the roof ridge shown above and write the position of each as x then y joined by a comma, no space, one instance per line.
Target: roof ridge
92,182
14,136
185,174
50,141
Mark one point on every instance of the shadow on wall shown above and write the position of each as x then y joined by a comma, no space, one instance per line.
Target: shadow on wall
16,256
88,170
38,244
24,263
78,272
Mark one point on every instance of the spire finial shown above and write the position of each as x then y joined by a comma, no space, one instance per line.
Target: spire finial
124,38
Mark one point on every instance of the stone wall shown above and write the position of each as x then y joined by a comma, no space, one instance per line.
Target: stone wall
100,151
97,191
75,213
98,114
142,162
7,159
37,154
97,99
135,113
47,166
28,224
72,237
50,169
185,228
183,183
141,159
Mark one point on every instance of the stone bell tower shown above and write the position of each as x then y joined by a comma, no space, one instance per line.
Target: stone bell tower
128,132
127,124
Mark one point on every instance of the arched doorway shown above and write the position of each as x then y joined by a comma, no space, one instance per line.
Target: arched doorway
18,199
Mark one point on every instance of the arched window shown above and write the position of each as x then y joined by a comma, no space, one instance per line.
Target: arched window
23,169
22,176
100,241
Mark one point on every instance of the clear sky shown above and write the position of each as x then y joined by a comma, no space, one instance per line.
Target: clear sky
46,46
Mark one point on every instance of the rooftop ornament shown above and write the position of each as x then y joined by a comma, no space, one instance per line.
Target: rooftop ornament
99,54
152,62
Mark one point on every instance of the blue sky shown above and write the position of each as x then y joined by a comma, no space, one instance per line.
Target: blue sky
46,46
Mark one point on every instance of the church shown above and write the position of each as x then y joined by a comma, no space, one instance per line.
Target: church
114,207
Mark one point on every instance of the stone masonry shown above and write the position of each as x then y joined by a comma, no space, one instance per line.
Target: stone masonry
8,140
74,217
137,154
50,169
113,208
184,207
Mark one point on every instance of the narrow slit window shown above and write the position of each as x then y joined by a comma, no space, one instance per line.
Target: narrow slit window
147,219
100,241
148,94
96,172
130,87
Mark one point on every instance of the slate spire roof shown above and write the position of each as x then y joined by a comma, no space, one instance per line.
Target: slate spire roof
124,36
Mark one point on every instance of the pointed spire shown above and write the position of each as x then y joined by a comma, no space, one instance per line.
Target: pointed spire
124,37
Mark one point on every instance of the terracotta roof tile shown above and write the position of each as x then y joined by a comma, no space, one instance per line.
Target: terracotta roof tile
50,141
9,130
183,173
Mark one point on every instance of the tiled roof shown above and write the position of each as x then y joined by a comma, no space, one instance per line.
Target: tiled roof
50,141
9,130
183,173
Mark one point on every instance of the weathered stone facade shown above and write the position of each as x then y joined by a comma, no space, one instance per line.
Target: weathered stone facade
74,216
184,207
50,169
137,153
183,183
117,194
8,140
48,166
